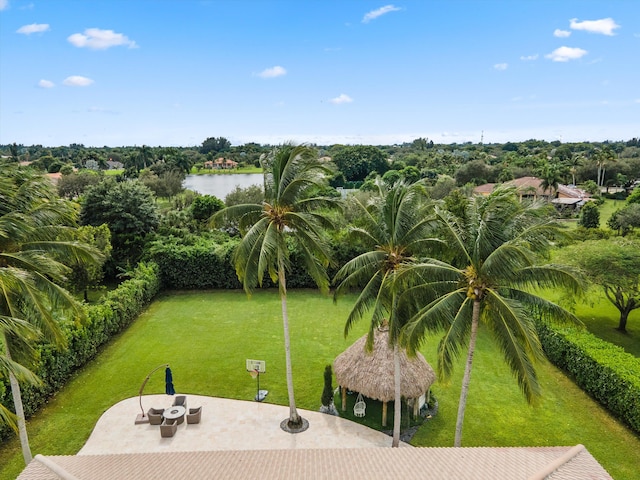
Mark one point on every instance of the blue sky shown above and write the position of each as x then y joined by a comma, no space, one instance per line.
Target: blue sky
174,72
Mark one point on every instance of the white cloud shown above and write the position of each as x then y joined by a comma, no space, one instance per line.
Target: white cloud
77,81
46,84
373,14
340,99
604,26
97,39
564,54
529,58
561,33
33,28
273,72
4,4
501,66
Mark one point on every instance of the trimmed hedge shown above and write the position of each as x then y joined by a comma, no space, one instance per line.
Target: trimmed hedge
115,311
208,265
603,370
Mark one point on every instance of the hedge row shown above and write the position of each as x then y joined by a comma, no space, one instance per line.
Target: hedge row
115,311
208,265
603,370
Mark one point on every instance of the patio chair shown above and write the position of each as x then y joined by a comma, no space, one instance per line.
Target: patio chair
155,416
194,415
168,428
180,400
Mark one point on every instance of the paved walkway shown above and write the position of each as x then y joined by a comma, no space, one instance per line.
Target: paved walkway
225,425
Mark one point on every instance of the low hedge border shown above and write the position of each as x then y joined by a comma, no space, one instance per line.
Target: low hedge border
115,311
603,370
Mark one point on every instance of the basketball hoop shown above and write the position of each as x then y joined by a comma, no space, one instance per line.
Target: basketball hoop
255,368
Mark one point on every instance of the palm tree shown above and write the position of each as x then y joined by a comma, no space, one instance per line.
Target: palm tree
575,162
550,179
290,210
395,229
488,278
34,253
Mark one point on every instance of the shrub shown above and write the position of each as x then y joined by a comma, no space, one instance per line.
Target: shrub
603,370
589,216
114,313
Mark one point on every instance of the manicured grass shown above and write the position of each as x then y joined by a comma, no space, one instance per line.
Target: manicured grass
601,318
206,337
209,171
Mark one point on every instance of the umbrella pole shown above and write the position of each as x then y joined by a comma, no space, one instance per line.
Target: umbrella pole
141,417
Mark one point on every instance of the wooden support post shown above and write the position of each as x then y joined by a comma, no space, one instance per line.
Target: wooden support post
344,398
384,414
416,407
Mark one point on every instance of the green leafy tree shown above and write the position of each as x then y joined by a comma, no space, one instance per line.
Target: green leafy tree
286,214
613,265
634,197
394,229
625,219
589,216
36,247
73,185
204,206
356,162
215,145
130,211
238,196
85,276
487,276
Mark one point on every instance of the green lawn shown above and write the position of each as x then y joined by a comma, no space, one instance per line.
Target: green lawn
208,171
601,318
206,337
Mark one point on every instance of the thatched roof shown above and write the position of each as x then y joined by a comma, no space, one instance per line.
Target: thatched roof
371,373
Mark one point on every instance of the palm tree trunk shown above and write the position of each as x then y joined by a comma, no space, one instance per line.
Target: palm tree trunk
397,407
294,418
17,401
475,317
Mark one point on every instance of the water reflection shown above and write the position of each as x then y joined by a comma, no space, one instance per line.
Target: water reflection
221,185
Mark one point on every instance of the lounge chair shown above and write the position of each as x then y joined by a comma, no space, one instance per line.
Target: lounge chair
168,428
194,415
155,416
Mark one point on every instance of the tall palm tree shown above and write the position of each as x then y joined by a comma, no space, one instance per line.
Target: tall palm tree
395,229
488,278
290,211
35,251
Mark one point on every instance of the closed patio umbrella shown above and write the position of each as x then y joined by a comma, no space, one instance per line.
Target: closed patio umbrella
168,380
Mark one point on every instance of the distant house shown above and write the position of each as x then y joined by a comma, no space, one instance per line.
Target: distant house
114,165
530,188
221,164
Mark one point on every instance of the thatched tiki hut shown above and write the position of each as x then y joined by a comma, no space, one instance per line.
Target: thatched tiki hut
371,373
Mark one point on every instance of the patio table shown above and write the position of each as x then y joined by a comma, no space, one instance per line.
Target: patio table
174,412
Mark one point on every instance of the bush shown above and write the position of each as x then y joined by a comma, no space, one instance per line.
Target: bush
114,313
603,370
589,216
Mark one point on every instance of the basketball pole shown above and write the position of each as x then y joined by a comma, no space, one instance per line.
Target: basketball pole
258,383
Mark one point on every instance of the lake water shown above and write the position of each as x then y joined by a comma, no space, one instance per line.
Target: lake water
221,185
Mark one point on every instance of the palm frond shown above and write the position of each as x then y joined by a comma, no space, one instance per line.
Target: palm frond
437,315
514,332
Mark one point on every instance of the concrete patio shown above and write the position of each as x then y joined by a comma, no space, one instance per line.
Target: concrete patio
225,425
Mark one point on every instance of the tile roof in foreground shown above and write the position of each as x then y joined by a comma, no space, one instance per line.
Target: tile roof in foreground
535,463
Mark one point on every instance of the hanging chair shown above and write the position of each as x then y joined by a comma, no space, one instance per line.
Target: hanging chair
359,407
